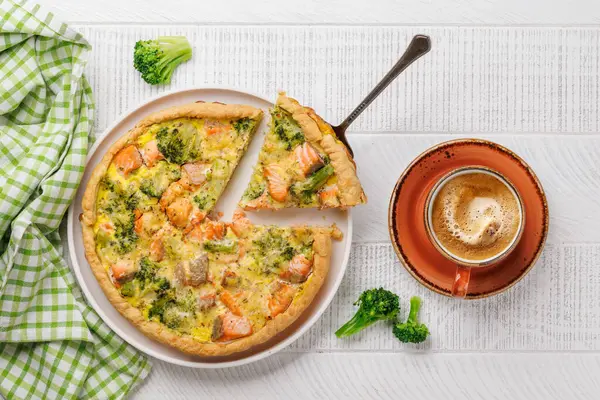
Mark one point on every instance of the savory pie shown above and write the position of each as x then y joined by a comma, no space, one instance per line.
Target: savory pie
167,263
302,164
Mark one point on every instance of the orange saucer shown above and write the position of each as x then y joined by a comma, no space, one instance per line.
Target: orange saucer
407,225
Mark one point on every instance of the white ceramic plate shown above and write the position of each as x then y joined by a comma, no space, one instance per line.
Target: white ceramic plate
95,295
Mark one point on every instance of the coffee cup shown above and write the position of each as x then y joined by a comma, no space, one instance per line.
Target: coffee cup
474,216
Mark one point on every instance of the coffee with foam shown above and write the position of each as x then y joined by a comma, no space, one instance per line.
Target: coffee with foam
475,216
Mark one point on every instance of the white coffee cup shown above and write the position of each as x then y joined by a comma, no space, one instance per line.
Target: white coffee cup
463,265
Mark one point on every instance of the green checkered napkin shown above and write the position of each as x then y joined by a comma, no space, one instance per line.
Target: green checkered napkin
52,344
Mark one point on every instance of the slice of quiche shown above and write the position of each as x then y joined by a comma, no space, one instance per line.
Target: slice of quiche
172,166
302,164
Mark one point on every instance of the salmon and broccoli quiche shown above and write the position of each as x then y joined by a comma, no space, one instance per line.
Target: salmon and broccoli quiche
166,261
302,164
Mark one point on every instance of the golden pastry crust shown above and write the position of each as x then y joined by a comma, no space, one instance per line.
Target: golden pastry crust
319,132
157,331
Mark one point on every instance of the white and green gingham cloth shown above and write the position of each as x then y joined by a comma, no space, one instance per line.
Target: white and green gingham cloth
52,344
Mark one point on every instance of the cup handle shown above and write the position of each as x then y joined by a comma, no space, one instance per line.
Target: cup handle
461,281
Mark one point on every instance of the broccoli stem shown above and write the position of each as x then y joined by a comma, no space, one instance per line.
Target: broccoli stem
314,182
172,56
415,306
357,323
180,47
220,246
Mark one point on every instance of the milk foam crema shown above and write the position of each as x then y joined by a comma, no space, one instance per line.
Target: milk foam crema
475,216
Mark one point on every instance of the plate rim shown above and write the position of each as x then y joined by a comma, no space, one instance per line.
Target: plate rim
76,268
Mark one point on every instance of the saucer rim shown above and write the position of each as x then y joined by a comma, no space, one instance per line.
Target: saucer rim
394,200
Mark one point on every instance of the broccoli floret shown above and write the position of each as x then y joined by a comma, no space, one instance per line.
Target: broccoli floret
147,271
157,59
254,190
243,125
161,304
131,201
125,234
128,289
187,301
306,188
291,139
164,174
176,314
412,331
179,143
205,201
272,249
220,246
119,200
173,308
148,187
161,284
374,305
271,240
288,253
171,317
147,277
172,172
120,203
170,145
286,129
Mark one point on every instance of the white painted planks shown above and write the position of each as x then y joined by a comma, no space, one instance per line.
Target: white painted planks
495,80
368,375
465,12
533,89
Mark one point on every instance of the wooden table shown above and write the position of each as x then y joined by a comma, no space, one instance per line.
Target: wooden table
524,74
